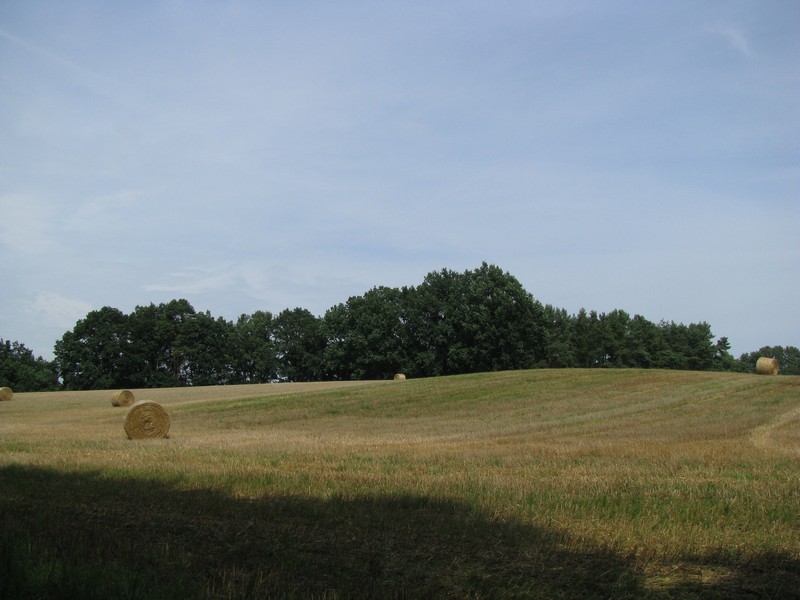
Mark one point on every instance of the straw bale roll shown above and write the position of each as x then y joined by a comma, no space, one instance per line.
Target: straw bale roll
122,398
767,366
399,377
6,393
146,419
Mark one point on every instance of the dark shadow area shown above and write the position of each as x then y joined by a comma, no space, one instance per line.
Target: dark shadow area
93,536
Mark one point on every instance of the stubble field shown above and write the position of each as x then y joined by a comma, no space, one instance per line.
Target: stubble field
528,484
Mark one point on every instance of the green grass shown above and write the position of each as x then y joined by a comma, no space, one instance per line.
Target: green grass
532,484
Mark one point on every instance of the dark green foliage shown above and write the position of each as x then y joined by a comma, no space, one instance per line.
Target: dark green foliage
788,358
254,357
476,321
155,346
643,343
300,343
20,371
481,320
368,337
92,355
169,321
723,361
153,330
559,342
686,346
589,341
204,347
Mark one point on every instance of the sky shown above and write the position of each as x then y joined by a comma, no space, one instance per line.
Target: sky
264,155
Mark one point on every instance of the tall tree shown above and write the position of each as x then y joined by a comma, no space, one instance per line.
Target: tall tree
170,321
481,320
613,334
686,346
559,342
701,346
155,347
589,343
300,344
20,371
91,355
723,360
507,326
643,343
675,349
204,345
433,313
146,353
338,356
367,336
254,357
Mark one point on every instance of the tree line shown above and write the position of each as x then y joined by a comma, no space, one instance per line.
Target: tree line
451,323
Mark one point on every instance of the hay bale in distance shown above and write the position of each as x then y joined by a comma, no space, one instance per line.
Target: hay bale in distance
122,398
146,419
6,393
767,366
399,377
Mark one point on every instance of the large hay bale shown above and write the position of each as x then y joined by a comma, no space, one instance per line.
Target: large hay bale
767,366
399,377
146,419
122,398
6,393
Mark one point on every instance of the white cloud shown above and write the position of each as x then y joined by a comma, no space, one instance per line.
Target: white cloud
231,288
195,280
57,311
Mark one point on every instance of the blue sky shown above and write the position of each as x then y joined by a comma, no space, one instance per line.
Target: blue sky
268,155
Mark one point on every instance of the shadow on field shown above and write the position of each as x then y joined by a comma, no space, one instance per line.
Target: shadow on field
92,536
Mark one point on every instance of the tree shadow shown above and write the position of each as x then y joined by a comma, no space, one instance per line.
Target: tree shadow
89,535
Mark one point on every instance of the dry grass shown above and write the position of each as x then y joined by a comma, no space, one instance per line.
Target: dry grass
676,483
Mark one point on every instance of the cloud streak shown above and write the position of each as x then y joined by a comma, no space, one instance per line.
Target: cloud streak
736,38
57,311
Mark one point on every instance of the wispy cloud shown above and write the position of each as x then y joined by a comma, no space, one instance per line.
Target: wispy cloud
230,287
57,311
737,38
195,280
81,75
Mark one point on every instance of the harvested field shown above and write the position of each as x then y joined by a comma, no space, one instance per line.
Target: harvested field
534,484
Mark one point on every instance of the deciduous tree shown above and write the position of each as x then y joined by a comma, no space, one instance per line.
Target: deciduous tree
91,355
23,372
300,343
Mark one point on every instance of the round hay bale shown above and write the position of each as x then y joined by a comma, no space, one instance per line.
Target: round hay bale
146,419
122,398
399,377
767,366
6,393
